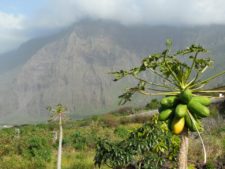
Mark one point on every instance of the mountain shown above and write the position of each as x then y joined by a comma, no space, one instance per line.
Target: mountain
71,67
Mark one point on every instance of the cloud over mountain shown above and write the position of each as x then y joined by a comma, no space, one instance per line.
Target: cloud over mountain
11,30
52,15
174,12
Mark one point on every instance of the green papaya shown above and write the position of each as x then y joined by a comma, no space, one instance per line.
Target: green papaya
169,123
185,96
165,114
161,109
181,110
203,100
199,109
196,116
168,102
192,124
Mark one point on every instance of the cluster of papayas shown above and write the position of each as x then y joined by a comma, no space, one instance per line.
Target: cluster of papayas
184,110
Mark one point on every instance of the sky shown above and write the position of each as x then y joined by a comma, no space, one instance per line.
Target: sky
21,20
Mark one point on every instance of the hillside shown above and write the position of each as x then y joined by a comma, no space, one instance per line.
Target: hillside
71,67
33,146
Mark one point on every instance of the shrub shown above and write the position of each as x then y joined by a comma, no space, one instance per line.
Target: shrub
121,132
66,141
110,121
38,147
78,141
210,165
150,145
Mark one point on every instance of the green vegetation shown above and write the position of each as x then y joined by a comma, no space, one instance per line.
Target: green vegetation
35,148
181,74
123,139
150,146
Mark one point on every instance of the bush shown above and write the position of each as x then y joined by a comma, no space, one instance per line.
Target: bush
78,141
210,165
38,147
150,145
121,132
66,141
110,121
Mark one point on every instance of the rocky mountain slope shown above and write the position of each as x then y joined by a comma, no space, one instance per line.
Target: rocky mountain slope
71,67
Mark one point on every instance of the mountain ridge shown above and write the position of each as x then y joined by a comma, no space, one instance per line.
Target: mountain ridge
72,68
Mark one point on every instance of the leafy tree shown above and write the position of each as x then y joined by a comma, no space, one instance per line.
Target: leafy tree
148,147
57,114
181,80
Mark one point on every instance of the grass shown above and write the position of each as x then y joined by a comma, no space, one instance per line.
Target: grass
80,138
214,140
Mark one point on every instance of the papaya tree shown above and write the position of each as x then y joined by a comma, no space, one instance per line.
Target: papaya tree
58,114
183,87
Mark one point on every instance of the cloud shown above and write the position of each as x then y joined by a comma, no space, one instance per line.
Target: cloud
10,21
56,14
152,12
11,31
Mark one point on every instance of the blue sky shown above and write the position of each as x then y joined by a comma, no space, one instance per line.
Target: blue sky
14,15
26,7
21,20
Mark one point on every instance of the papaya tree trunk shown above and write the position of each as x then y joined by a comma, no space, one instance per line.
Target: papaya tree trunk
183,154
60,143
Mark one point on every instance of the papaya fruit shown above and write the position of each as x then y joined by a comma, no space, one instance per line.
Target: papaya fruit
161,109
181,110
168,102
203,100
199,109
185,96
196,116
178,125
165,114
192,124
169,123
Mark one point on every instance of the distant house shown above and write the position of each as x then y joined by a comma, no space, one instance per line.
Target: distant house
221,95
7,126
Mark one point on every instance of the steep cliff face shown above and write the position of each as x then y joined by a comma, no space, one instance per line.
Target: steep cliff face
71,68
72,71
